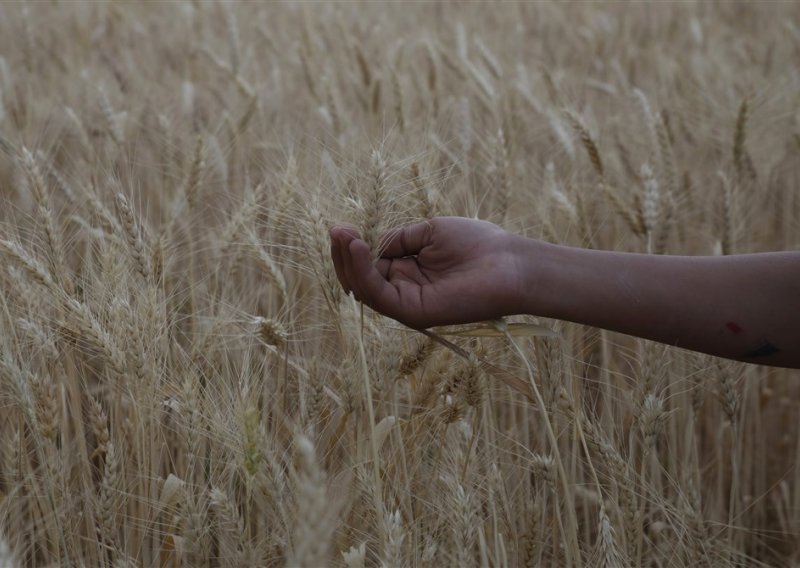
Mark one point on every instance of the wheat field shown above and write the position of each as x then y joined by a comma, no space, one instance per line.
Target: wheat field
183,382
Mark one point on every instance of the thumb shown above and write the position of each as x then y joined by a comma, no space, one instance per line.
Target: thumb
408,240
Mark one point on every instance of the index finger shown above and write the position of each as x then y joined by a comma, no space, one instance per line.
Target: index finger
406,241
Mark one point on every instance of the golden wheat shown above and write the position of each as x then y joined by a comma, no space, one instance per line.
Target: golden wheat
183,382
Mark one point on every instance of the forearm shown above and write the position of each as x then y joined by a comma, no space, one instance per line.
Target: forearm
742,307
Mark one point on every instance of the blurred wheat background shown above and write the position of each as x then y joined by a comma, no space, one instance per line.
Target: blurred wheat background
182,382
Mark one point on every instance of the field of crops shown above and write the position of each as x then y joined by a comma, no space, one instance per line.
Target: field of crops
183,381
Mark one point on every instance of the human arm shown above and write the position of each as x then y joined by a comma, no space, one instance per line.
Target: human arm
453,270
743,307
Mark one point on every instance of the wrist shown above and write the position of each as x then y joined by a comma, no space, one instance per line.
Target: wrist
541,267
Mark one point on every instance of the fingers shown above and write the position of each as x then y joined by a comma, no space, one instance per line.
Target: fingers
408,240
368,283
343,233
360,274
338,264
341,236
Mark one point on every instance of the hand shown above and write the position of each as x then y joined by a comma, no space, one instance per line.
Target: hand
446,270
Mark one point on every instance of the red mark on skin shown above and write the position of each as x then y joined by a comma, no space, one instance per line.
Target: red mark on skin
734,327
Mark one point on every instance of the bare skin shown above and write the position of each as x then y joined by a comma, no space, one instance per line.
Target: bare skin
452,270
